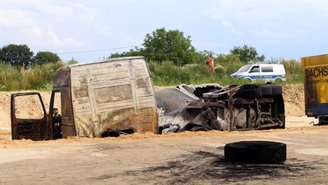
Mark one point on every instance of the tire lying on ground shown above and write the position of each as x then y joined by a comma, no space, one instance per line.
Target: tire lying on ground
255,152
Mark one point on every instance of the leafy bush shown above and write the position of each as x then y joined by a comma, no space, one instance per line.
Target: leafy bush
44,57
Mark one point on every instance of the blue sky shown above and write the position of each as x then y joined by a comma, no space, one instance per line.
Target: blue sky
287,29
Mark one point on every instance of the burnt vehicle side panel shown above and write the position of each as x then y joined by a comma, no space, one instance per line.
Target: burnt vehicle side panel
315,75
97,98
34,129
115,94
62,84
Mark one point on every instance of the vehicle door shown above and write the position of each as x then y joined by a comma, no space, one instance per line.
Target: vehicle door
254,72
28,117
267,73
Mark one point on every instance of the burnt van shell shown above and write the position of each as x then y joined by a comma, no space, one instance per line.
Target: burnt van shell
94,99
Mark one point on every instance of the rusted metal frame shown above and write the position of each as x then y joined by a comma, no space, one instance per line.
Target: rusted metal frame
15,120
230,118
133,85
267,126
94,121
51,105
200,105
265,100
280,123
216,95
258,120
219,90
248,121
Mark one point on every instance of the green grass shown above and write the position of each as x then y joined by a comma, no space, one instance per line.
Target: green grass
35,78
163,74
166,73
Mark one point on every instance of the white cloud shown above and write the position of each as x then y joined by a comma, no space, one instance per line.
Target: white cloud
130,40
266,33
38,9
85,13
207,44
255,10
266,18
14,18
229,26
43,39
44,6
65,42
40,24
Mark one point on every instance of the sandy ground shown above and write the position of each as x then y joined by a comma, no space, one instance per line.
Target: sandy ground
184,158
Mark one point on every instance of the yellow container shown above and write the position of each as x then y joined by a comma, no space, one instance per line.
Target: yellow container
315,74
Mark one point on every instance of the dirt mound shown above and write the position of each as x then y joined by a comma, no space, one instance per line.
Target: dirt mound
293,97
29,108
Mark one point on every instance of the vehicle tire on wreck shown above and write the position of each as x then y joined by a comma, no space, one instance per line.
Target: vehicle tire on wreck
249,92
271,90
255,152
266,90
276,89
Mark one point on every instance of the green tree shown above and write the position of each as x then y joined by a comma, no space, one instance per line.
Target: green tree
44,57
16,55
247,53
165,45
72,61
227,59
162,45
133,52
206,53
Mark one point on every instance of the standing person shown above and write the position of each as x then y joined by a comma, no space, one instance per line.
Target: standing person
56,122
210,63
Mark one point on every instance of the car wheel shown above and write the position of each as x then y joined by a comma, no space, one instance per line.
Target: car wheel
278,80
255,152
247,81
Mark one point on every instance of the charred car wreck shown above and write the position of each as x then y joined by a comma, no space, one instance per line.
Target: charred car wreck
213,107
115,96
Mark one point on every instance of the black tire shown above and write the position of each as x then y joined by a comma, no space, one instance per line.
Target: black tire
266,90
249,92
276,89
256,152
195,129
247,81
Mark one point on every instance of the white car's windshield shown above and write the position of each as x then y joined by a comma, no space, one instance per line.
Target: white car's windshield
244,68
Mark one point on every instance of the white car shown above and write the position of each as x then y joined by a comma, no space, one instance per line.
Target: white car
266,72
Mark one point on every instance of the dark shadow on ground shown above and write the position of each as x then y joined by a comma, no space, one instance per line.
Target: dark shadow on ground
205,167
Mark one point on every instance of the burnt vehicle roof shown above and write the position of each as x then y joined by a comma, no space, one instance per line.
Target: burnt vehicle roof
107,60
62,76
172,99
